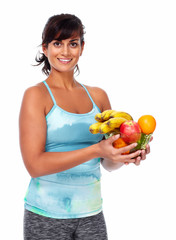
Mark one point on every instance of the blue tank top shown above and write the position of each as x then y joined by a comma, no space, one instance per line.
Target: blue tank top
75,192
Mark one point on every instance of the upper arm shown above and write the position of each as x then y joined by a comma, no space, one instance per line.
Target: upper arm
32,126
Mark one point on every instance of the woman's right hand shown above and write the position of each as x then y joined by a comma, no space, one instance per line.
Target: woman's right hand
114,155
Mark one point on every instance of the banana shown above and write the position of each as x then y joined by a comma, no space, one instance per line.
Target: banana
94,128
104,116
115,122
104,128
125,115
98,117
109,121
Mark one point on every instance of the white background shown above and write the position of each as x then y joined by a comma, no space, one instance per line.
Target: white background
130,52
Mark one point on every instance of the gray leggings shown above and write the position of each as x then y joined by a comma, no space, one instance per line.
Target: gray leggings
37,227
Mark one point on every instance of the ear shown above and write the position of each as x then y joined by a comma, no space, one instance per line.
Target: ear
82,48
44,48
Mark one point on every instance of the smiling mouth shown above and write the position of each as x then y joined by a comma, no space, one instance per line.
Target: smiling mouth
64,60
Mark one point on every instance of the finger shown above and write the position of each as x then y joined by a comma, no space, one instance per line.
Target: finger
143,155
127,148
151,138
128,160
138,161
132,155
113,138
147,149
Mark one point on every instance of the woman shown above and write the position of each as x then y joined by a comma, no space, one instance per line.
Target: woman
63,200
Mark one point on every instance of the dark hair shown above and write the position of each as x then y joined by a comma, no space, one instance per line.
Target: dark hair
59,27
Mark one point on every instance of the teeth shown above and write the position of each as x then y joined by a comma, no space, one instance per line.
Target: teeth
64,60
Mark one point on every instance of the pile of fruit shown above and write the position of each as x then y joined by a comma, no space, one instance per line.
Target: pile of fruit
111,122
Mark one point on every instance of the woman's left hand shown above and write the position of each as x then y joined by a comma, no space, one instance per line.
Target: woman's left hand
142,155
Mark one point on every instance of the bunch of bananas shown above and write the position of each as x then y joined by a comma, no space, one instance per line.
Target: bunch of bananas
109,121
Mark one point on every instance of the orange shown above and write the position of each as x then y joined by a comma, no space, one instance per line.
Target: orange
147,124
119,143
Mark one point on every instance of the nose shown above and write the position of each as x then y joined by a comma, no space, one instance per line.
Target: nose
65,50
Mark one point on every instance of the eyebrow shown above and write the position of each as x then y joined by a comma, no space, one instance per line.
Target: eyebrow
72,40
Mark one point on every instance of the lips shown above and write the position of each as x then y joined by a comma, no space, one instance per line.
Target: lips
64,60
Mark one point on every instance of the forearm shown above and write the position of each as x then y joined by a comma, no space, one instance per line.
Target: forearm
53,162
109,165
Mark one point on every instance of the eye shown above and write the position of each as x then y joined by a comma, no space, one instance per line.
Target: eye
73,44
57,44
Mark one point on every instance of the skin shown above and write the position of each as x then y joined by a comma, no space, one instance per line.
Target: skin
67,91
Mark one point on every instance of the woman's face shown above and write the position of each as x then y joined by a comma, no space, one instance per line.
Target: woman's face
63,55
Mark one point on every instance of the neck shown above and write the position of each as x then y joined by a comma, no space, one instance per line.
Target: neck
64,80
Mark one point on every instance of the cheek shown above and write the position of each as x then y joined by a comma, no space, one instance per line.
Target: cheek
52,53
76,52
52,57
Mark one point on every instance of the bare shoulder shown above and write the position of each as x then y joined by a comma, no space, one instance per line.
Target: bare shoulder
35,91
100,97
34,97
97,92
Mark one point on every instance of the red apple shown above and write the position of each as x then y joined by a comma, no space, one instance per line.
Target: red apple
130,131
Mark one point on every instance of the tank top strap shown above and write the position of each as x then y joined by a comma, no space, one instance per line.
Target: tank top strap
88,94
49,90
